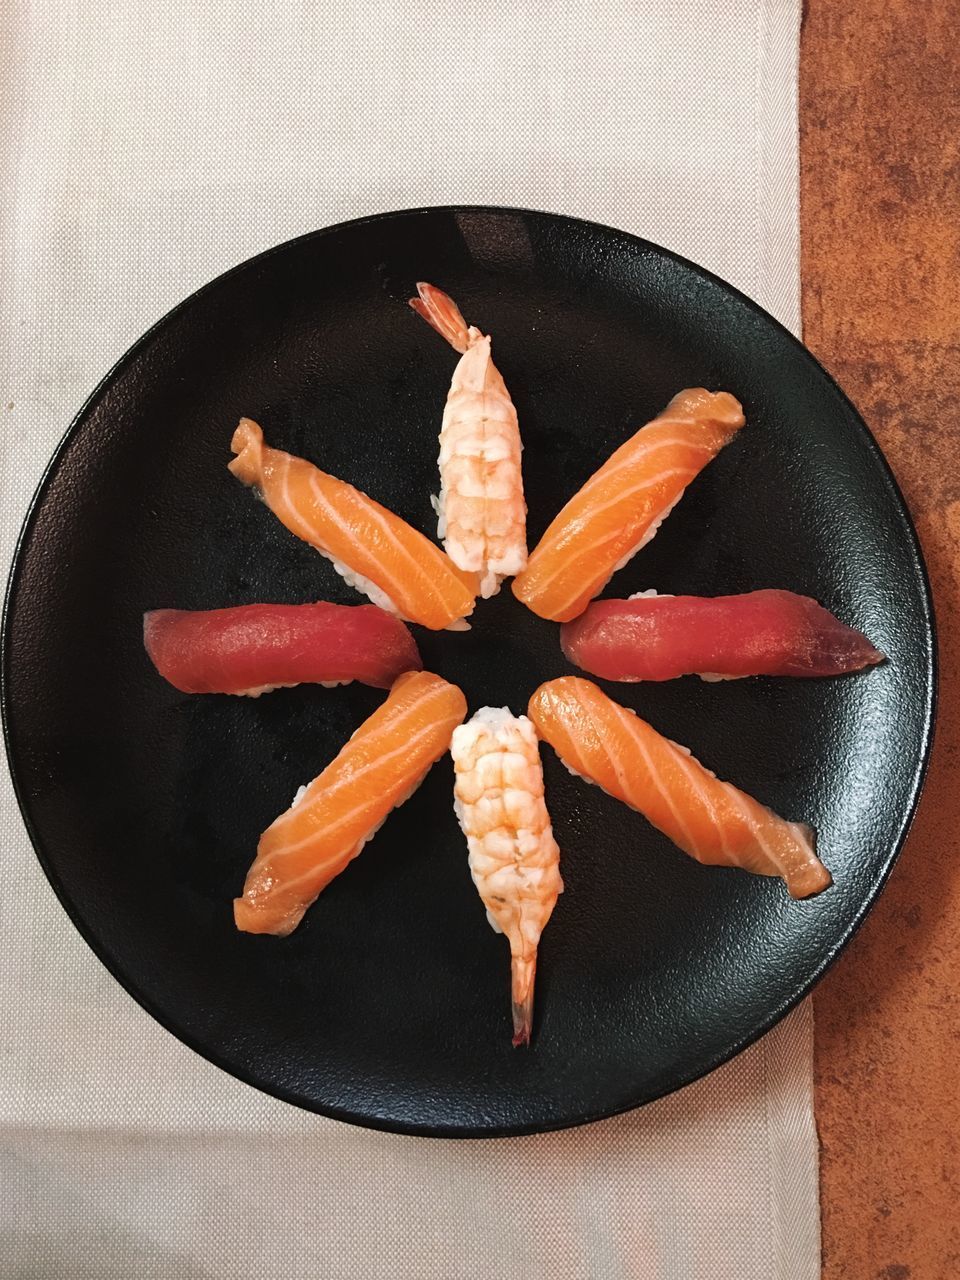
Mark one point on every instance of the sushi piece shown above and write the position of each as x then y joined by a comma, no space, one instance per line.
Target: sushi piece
371,548
622,505
331,820
712,821
258,647
761,633
514,859
481,512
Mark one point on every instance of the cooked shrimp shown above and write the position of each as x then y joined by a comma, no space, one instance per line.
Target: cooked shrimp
481,511
514,859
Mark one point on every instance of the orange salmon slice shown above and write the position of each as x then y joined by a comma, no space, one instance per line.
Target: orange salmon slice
712,821
327,826
622,505
420,582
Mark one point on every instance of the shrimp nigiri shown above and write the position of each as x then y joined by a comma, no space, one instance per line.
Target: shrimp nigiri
712,821
481,511
332,819
623,504
514,859
370,547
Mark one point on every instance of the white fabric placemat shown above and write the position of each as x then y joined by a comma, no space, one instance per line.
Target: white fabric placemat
144,148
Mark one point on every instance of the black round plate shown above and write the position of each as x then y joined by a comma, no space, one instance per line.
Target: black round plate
389,1005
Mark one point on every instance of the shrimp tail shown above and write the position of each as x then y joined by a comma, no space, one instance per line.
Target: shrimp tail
443,314
522,974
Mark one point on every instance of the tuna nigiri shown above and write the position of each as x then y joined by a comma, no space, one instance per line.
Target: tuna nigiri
482,514
761,633
258,647
329,823
514,859
373,549
712,821
621,506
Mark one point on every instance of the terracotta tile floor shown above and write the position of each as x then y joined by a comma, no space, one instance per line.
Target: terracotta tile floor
880,193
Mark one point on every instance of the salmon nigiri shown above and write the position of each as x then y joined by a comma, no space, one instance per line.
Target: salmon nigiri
482,514
514,859
332,819
712,821
622,505
373,549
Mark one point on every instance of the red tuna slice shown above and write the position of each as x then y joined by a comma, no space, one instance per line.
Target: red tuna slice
761,633
258,647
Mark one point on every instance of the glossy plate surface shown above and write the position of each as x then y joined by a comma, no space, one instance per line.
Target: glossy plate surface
389,1005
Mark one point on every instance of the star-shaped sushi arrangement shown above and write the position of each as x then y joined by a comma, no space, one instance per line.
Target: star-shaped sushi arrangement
499,796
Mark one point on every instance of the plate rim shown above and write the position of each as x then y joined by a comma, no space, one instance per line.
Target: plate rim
399,1126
